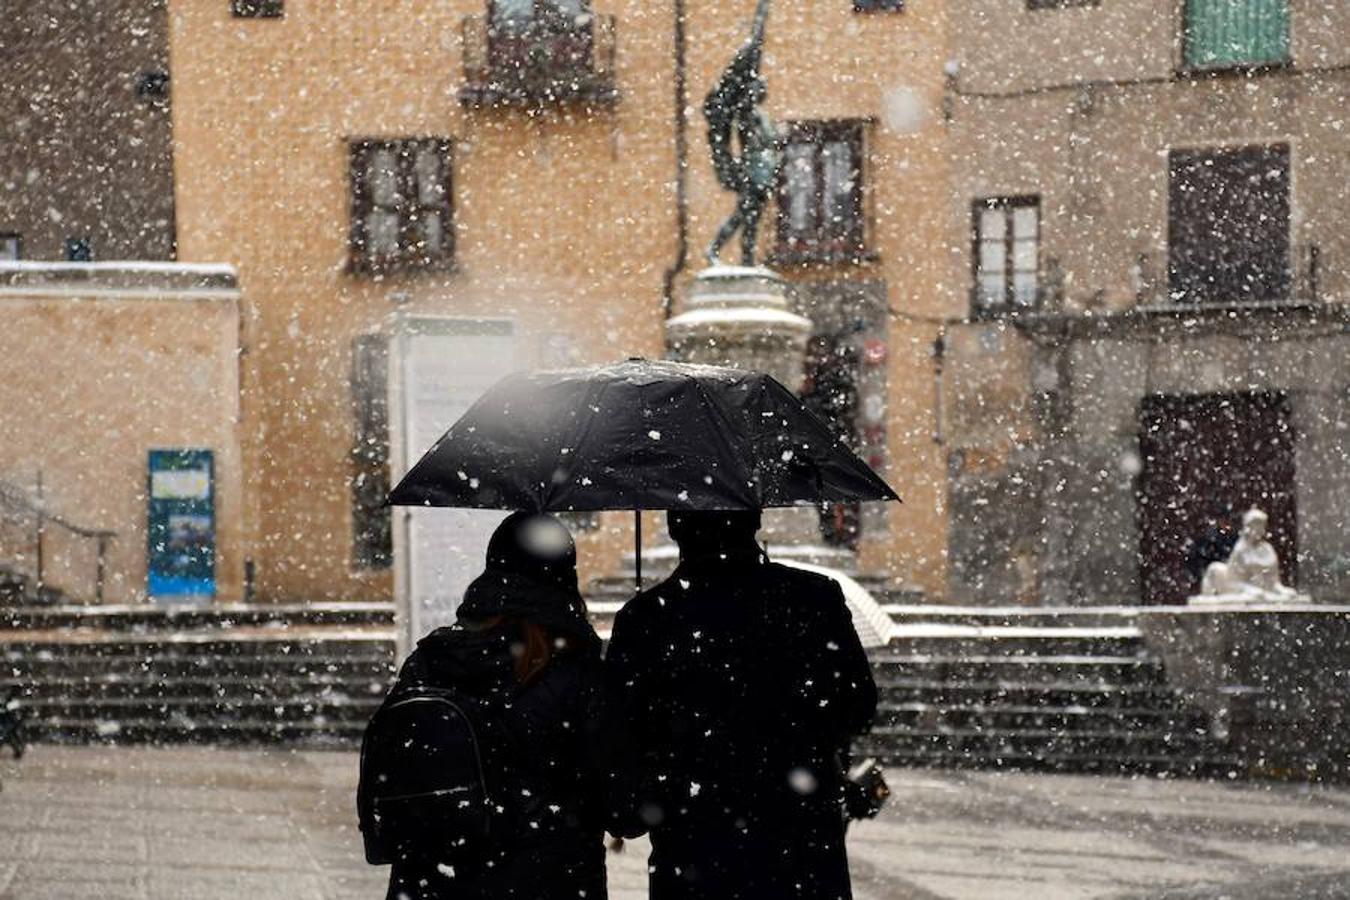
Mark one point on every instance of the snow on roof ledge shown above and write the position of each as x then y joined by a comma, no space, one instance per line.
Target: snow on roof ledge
130,277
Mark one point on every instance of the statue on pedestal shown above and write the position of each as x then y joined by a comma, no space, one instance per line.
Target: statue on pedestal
1252,572
733,111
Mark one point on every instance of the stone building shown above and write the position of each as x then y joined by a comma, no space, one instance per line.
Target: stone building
86,166
1150,199
514,184
417,198
104,366
1037,241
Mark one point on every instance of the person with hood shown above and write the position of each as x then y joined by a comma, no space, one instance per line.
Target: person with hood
738,686
523,647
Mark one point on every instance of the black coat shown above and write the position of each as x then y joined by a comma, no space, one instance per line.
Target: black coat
738,685
550,734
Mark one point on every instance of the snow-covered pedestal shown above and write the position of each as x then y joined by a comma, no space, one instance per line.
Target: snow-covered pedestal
739,316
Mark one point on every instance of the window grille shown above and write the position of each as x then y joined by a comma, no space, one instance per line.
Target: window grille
820,195
402,205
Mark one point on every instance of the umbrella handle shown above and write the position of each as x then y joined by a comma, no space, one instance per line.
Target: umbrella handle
637,556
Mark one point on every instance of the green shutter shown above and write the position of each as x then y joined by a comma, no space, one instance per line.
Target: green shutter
1223,33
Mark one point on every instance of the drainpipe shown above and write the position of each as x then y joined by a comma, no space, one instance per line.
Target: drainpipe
681,165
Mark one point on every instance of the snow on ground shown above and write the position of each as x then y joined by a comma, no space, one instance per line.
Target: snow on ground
201,823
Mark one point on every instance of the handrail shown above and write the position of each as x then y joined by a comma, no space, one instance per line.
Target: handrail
18,504
15,498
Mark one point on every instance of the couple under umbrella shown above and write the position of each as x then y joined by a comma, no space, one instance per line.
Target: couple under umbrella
720,718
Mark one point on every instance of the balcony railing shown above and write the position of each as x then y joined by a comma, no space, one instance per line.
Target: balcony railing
539,64
1299,283
31,536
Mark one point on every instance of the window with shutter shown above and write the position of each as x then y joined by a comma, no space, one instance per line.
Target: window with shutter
820,194
1224,34
1228,225
402,205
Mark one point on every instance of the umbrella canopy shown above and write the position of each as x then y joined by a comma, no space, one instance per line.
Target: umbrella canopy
638,435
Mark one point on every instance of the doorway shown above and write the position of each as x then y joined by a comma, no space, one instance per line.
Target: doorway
1206,459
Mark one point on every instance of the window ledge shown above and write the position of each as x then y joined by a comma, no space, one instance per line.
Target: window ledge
1187,72
358,269
822,258
602,94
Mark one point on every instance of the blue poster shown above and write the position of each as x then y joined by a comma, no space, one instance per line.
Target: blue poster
181,560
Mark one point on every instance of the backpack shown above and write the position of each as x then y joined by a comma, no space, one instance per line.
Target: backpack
424,791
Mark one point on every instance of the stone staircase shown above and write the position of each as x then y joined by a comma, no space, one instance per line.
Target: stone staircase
1018,689
303,675
1070,690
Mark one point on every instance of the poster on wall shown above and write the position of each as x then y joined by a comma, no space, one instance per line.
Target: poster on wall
181,551
442,366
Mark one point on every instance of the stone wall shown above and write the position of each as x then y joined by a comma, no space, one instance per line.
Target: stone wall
88,137
1063,504
98,365
1080,107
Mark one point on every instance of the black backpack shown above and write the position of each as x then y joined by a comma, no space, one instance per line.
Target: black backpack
425,792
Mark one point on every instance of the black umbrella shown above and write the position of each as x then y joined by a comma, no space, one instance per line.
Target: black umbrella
638,435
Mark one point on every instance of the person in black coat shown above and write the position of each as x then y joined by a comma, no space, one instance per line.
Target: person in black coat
738,685
522,642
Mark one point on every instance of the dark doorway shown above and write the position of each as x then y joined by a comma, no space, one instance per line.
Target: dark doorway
1228,225
1205,458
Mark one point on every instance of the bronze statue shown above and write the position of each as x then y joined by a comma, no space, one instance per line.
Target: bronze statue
733,108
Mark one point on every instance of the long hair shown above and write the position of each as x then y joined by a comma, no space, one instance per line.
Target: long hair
531,652
534,652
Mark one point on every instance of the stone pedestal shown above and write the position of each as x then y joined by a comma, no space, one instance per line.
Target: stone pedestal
1272,678
739,316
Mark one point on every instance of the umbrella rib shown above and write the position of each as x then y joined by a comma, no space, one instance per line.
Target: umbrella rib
725,429
578,438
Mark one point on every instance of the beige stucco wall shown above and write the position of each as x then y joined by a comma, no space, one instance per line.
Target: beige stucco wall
1004,47
566,222
98,370
1099,163
1081,106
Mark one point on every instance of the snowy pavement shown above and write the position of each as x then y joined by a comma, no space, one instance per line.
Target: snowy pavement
200,823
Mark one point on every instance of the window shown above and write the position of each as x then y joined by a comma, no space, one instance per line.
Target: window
868,6
153,85
820,195
1236,33
402,215
257,9
1228,225
372,535
1007,251
555,34
517,15
79,249
11,247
